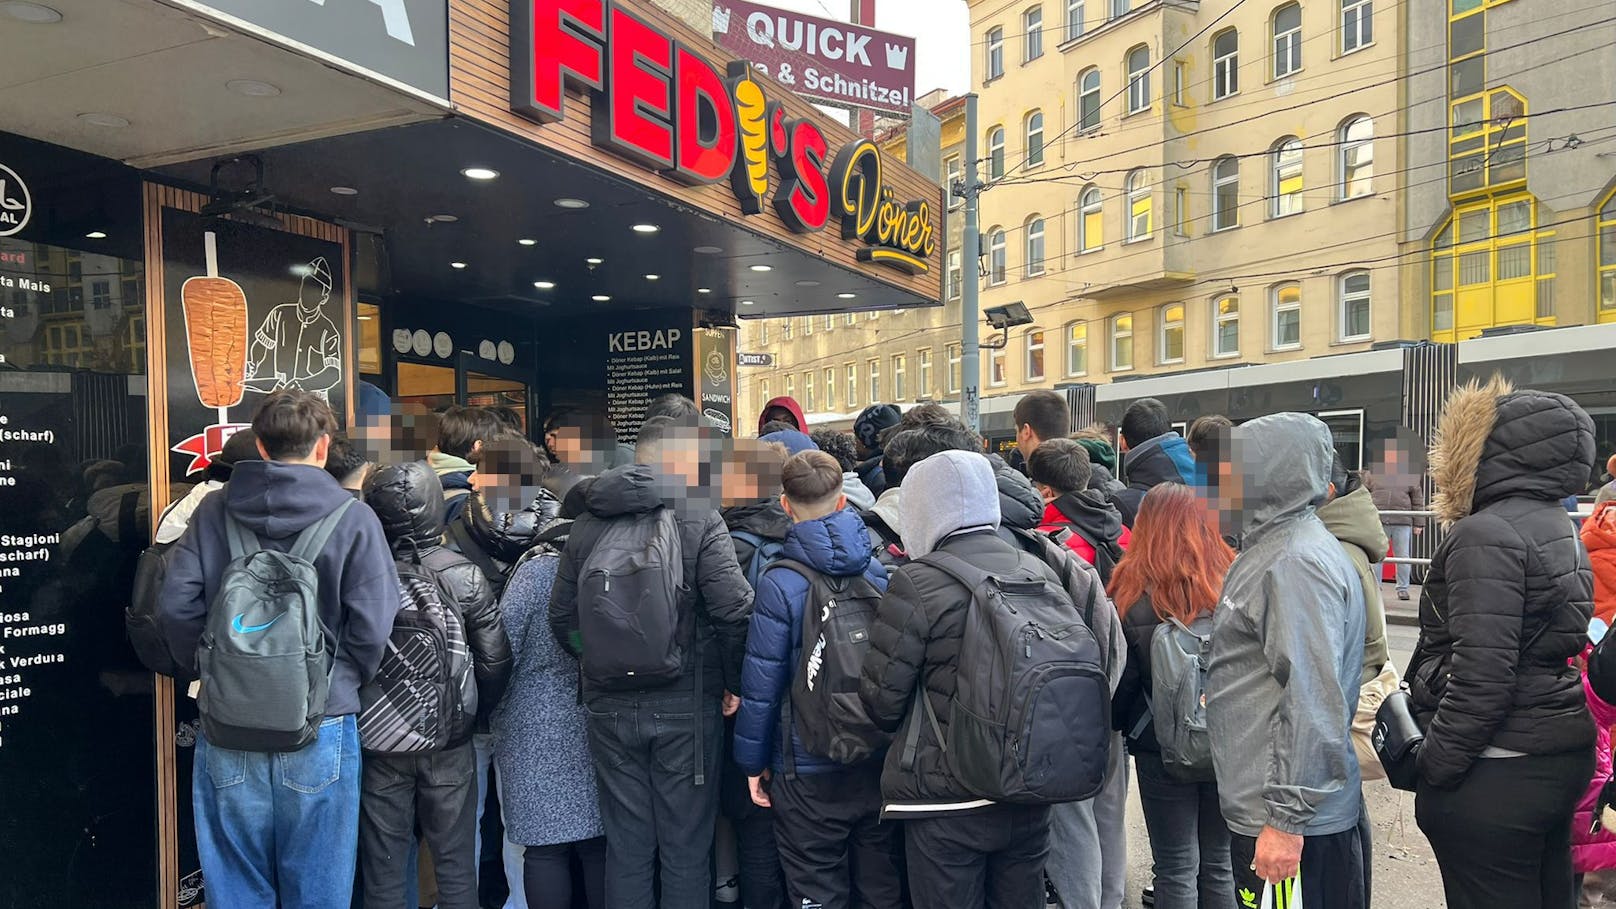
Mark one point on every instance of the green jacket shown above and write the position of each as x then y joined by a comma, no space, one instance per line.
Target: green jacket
1353,520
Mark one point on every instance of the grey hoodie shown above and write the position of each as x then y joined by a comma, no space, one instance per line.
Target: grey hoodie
1287,642
961,496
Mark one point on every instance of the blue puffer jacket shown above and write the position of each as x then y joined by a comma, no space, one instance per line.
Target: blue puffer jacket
836,545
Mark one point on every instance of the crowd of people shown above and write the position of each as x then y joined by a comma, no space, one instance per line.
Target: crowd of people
811,669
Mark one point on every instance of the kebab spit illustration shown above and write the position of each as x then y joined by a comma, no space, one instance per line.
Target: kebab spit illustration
216,333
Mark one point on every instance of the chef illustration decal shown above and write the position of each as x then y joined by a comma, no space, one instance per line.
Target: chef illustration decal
297,345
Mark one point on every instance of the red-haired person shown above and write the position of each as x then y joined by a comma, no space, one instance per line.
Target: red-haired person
1173,570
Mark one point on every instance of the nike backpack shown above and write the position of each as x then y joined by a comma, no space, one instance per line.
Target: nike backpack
825,709
424,695
265,658
1180,657
630,593
1030,719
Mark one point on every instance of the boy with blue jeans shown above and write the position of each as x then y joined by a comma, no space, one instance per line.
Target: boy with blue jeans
283,827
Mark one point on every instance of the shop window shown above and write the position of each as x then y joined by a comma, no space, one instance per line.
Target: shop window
1138,79
851,372
1355,158
1138,206
923,372
1226,327
900,378
1088,100
873,382
1035,246
1074,19
996,152
830,388
996,377
1357,24
996,258
370,339
1286,328
1287,40
1122,342
1091,222
1607,260
1077,349
1032,28
1035,139
1285,177
1354,306
1225,194
954,359
1035,356
1225,63
995,46
1170,334
956,274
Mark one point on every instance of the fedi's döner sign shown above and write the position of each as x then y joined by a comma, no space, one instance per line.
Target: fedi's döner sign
659,103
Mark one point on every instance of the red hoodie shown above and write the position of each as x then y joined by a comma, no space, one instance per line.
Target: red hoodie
1055,519
789,404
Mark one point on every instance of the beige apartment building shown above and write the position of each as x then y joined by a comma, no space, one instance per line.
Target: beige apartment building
837,365
1176,185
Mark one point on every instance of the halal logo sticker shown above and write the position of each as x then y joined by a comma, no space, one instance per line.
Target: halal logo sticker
15,204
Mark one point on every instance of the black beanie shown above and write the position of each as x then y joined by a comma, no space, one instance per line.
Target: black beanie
873,421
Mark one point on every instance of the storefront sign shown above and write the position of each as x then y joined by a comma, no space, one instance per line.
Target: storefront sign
715,380
658,103
15,203
643,364
754,359
822,59
404,40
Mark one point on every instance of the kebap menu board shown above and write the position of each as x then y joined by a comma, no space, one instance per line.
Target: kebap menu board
643,364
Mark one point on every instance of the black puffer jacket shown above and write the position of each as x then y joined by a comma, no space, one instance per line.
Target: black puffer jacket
720,601
408,499
761,519
1020,506
1509,593
495,539
916,640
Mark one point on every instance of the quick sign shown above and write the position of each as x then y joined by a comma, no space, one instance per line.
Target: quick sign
834,62
15,204
658,103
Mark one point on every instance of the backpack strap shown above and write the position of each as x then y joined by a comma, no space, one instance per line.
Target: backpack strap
479,556
956,568
911,739
314,537
242,541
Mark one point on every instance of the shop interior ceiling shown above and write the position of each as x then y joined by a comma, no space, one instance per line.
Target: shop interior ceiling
506,244
149,84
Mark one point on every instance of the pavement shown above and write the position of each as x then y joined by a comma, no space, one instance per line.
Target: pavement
1401,612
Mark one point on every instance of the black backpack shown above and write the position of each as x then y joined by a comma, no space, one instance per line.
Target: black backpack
1030,719
424,695
630,599
828,716
140,619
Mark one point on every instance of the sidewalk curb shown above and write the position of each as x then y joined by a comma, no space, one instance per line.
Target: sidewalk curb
1405,619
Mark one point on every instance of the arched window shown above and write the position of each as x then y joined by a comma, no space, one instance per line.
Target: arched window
996,152
1225,63
1287,40
1226,326
1170,334
1091,221
995,52
1285,177
996,260
1138,79
1035,246
1088,100
1225,194
1035,138
1138,205
1286,303
1352,292
1121,342
1032,30
1355,166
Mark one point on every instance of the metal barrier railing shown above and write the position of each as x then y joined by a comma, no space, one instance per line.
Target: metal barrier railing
1577,516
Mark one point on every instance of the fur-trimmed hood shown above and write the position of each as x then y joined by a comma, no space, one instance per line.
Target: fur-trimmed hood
1494,442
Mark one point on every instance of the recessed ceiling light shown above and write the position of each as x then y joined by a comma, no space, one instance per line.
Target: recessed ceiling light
96,235
442,219
747,303
571,203
345,190
709,250
704,290
762,267
594,261
807,283
846,296
32,13
108,121
544,285
652,277
457,265
479,173
600,298
528,241
253,88
366,318
646,228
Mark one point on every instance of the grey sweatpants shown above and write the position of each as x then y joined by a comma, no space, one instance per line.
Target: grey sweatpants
1088,843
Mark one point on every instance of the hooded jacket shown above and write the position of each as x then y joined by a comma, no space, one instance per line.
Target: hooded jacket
1164,459
885,522
1090,518
789,404
1353,520
1287,643
837,546
1599,538
408,501
495,539
1509,592
720,600
858,495
1102,482
766,520
456,476
358,590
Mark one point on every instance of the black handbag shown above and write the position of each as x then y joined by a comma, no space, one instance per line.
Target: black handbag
1397,739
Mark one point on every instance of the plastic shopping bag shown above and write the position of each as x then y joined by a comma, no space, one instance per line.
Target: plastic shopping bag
1286,894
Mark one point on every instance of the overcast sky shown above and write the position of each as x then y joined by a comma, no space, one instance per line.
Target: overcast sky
941,29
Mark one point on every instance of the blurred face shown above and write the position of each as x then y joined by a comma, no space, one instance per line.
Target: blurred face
781,414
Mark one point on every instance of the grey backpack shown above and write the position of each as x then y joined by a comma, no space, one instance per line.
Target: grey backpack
1180,657
265,658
